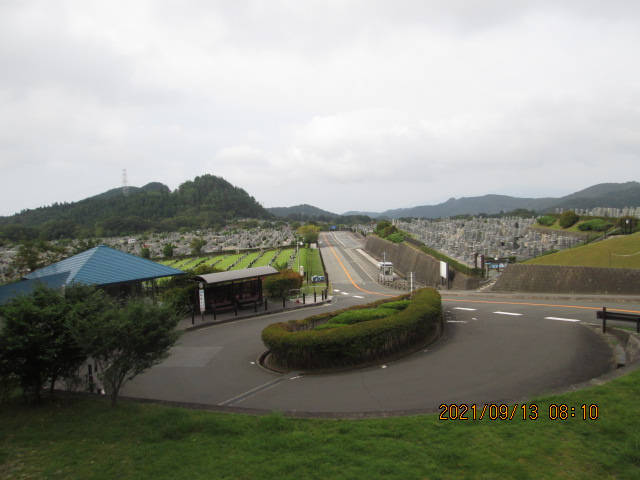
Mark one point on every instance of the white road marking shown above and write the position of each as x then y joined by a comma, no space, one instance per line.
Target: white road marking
508,313
344,293
562,319
467,309
456,321
358,296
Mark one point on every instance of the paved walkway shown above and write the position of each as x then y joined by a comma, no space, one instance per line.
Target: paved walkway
198,321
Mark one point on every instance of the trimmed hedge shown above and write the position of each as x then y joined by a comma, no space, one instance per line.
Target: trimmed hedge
351,317
397,305
327,326
295,345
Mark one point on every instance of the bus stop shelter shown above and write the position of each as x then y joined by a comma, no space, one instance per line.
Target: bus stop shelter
232,289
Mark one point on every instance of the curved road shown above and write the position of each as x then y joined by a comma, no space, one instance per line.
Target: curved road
495,350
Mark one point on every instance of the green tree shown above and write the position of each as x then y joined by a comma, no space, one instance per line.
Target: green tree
382,224
36,336
197,244
167,250
309,233
28,257
568,219
125,341
8,380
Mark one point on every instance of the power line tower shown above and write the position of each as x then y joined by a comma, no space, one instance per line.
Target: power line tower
125,184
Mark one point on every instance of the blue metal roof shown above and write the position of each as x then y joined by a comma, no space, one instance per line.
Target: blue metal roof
25,287
99,266
103,266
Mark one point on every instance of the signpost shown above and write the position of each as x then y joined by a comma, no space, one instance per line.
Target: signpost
203,305
444,273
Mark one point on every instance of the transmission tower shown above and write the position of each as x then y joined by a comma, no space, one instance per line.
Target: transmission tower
125,185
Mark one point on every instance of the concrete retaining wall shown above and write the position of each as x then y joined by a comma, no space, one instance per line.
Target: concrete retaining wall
407,259
552,279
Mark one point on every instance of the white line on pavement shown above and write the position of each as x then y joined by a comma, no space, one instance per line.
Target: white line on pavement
562,319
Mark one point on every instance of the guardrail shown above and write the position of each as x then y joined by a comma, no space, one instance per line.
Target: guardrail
628,317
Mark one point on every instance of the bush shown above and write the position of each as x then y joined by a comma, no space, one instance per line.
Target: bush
546,220
295,345
397,305
179,299
356,316
596,224
279,285
568,219
396,237
327,326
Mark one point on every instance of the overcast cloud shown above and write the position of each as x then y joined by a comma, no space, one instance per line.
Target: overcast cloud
342,104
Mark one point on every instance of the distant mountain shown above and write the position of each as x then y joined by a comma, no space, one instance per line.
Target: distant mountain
210,201
305,213
206,201
614,195
300,211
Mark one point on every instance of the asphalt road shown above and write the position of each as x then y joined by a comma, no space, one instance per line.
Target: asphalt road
496,349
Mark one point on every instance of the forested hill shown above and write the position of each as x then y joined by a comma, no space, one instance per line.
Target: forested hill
206,201
308,213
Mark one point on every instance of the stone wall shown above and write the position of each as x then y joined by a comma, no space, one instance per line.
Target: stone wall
581,280
407,259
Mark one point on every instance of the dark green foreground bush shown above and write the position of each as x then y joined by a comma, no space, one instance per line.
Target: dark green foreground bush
295,345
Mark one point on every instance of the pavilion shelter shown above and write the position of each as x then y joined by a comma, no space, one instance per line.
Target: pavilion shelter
118,273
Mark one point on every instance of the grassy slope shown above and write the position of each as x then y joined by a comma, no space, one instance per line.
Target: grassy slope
90,440
617,252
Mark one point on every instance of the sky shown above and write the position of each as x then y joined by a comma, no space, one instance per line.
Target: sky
345,105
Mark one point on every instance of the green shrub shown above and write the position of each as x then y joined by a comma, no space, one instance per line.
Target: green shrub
396,237
397,305
357,316
568,219
327,326
596,224
279,285
179,299
546,220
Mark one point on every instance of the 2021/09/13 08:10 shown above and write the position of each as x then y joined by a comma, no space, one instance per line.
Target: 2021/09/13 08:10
530,411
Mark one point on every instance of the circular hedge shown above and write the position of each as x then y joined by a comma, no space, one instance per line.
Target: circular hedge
295,345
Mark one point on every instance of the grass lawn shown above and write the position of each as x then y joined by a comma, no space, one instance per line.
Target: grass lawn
224,260
310,259
617,252
87,439
248,258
